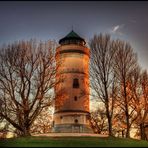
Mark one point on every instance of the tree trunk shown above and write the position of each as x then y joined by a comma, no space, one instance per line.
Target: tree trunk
142,132
110,126
26,129
109,120
126,112
122,133
127,124
26,132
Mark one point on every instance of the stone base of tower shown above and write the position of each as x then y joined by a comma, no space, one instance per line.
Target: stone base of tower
71,122
72,128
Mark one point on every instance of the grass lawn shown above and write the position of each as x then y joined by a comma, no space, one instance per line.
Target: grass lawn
72,142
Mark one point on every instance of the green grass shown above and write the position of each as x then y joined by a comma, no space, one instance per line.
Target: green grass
72,142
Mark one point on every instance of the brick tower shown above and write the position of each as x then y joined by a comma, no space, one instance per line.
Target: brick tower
72,90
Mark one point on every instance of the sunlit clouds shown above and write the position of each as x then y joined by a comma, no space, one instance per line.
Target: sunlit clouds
117,29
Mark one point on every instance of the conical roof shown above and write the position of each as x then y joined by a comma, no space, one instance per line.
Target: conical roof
71,36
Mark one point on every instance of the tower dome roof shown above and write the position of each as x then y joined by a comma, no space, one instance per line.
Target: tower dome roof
72,36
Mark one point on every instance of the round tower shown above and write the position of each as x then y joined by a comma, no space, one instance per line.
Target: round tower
72,86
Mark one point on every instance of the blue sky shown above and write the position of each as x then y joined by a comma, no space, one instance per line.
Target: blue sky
45,20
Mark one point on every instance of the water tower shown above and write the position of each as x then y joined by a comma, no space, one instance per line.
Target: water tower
72,89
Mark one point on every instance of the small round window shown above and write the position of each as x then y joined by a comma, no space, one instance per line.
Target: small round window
75,98
76,120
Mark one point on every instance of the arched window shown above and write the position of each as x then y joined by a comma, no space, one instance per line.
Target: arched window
75,83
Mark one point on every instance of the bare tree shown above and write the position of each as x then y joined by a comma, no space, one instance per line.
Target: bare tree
144,108
98,121
43,122
27,76
101,72
139,92
125,63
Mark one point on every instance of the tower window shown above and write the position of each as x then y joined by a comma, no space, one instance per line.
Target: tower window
75,83
75,98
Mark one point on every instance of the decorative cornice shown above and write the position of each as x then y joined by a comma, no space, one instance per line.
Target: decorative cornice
63,111
72,71
71,50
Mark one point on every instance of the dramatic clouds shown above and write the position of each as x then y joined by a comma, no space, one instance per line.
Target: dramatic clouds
117,29
54,19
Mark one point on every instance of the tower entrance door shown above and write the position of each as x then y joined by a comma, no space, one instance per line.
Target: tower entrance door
76,129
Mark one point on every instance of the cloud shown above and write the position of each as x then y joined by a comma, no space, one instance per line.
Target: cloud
117,29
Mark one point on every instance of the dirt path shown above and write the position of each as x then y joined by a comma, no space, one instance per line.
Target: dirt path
70,135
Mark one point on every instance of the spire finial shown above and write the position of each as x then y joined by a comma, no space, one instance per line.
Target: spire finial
72,27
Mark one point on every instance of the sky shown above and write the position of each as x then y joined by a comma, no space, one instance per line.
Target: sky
48,20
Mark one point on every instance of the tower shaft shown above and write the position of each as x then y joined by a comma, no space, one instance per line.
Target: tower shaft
72,88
